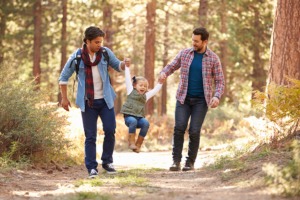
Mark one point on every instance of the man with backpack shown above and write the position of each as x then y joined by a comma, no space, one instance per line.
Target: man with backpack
95,95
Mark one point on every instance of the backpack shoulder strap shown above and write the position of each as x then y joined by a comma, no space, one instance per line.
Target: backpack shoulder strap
106,58
77,60
105,54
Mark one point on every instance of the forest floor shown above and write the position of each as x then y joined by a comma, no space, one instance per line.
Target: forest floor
146,176
141,176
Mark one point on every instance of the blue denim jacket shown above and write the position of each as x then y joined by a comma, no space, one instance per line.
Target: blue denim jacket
108,91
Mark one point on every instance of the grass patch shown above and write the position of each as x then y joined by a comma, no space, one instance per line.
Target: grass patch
232,158
92,182
87,195
226,162
264,152
132,177
234,162
7,164
139,171
129,180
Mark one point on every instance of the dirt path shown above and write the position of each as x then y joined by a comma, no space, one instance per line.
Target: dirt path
160,184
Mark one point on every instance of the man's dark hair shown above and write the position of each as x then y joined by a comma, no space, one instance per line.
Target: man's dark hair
201,31
92,32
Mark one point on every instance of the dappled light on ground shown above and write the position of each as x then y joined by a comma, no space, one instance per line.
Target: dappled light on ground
229,166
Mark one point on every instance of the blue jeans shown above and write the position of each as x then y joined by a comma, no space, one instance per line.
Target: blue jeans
89,119
194,109
133,123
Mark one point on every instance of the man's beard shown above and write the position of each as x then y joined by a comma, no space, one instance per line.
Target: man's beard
198,49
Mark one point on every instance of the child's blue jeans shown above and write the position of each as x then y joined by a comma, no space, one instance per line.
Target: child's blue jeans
133,123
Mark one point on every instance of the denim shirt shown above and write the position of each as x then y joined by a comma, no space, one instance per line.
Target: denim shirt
109,94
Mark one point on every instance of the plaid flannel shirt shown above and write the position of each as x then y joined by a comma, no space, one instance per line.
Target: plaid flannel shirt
211,71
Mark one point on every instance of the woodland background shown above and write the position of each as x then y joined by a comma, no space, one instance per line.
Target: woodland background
37,37
257,41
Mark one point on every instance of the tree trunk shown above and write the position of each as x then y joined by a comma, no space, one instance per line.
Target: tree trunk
285,47
63,39
37,10
259,75
64,34
150,50
3,19
224,43
108,42
163,104
107,24
135,54
202,12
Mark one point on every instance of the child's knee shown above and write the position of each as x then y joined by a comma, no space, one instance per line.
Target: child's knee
147,124
131,122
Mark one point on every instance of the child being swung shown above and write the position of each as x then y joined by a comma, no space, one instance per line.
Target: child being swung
134,108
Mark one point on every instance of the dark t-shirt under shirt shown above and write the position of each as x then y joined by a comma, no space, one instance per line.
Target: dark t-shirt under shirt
195,84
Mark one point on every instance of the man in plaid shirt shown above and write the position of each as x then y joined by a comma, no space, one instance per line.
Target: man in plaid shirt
200,71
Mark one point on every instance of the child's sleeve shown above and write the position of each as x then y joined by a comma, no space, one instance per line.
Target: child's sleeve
128,83
152,92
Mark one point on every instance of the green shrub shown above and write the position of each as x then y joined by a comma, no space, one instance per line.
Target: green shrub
281,106
29,127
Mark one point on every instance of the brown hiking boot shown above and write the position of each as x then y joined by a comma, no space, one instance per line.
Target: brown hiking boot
131,141
138,144
175,166
188,166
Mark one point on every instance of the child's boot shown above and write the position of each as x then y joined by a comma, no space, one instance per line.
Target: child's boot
131,142
138,144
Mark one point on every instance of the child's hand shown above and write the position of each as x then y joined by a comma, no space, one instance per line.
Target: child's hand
127,62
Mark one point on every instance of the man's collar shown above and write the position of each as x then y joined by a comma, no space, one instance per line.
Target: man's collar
205,53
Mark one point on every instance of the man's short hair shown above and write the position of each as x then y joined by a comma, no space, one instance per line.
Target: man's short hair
201,31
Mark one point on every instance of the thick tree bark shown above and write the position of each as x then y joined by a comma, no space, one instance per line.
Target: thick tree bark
163,104
63,39
108,42
202,12
64,34
224,43
107,24
37,13
3,19
150,50
285,47
259,74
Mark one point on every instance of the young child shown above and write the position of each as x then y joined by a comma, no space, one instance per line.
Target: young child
134,108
